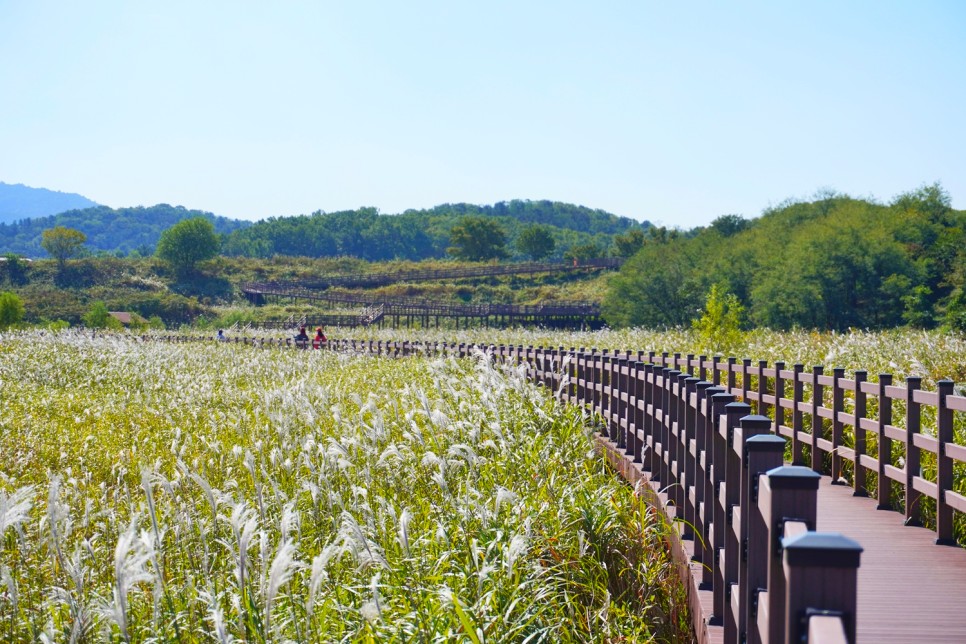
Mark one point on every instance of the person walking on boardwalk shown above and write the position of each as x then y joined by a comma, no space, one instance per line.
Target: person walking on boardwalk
319,340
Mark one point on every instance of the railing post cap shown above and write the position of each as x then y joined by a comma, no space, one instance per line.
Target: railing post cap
723,394
691,379
753,420
822,549
793,477
765,443
737,407
704,385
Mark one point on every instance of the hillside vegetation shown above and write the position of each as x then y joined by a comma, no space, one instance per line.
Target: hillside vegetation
363,233
120,231
421,234
833,263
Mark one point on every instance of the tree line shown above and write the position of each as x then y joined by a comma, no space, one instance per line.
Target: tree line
834,262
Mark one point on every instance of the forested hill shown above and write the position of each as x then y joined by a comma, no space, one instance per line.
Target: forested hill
421,234
121,230
832,263
19,202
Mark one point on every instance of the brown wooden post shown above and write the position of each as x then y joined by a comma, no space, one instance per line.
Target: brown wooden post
731,497
714,510
689,445
678,445
606,394
785,493
651,434
669,409
912,468
763,452
883,482
702,473
821,572
798,398
779,397
818,393
860,487
761,407
639,411
944,465
702,367
838,407
745,379
716,370
732,375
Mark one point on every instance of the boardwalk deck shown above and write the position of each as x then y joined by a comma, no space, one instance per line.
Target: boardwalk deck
910,590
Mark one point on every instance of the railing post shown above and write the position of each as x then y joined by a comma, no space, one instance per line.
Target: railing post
651,433
714,511
818,394
861,409
883,482
763,452
798,398
688,437
779,397
944,465
626,400
912,468
762,408
821,571
702,462
786,493
669,409
838,407
731,497
639,410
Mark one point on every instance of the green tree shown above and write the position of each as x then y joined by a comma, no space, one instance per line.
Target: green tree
720,324
629,243
536,241
98,317
187,243
62,243
658,287
583,252
15,268
11,309
477,239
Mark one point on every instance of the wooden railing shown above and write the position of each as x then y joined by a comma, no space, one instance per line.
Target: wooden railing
710,438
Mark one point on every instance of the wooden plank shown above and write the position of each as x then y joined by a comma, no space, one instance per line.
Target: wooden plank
924,397
928,443
956,403
956,501
928,488
895,473
956,452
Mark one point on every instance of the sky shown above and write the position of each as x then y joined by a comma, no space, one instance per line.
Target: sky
671,112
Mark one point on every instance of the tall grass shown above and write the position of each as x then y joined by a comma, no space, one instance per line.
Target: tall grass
214,492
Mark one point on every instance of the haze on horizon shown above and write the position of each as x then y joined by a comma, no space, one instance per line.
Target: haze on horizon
671,113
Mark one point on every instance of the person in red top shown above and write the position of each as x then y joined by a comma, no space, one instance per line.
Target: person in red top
319,340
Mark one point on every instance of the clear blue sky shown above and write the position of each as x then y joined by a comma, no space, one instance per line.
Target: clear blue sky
668,111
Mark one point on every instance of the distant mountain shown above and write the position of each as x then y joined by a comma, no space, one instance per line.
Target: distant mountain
19,202
110,230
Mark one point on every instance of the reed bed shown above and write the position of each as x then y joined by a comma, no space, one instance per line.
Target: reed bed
219,493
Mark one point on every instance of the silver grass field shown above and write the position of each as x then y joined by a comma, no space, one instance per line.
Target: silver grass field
210,492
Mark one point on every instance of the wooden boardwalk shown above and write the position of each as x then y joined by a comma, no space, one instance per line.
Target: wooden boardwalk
910,589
